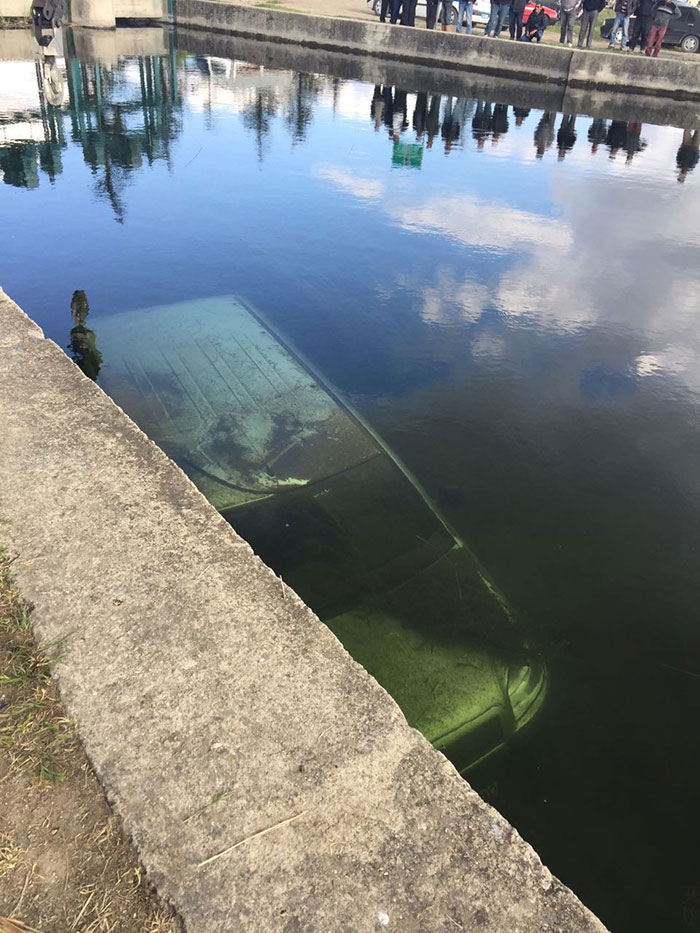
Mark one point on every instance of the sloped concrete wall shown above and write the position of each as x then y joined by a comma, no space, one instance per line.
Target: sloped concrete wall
193,672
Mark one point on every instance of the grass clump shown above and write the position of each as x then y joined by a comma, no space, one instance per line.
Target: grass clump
35,735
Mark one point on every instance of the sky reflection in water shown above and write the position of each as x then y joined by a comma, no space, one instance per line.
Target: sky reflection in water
509,296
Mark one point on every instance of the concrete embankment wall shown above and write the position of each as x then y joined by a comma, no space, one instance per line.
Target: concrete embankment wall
193,672
663,77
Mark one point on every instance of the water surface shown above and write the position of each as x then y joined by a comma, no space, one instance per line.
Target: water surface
509,296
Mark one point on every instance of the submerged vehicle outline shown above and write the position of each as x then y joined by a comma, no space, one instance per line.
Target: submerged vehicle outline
308,482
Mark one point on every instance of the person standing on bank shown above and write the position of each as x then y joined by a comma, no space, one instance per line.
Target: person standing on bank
589,18
446,15
535,25
431,8
664,12
641,27
623,10
515,18
466,8
408,13
395,10
497,17
392,6
568,11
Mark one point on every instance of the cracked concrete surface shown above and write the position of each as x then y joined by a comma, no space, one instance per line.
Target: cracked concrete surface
193,675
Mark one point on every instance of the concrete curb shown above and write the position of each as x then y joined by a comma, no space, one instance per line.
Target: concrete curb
571,68
192,672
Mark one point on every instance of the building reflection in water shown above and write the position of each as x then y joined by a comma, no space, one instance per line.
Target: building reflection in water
127,116
32,141
120,116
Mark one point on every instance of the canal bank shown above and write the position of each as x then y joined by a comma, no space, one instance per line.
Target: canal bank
524,62
265,779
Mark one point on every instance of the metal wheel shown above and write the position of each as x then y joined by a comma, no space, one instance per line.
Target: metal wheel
690,43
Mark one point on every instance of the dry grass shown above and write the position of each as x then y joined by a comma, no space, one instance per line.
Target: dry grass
65,866
33,730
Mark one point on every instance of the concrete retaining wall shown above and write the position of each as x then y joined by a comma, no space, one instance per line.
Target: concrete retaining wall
194,672
679,79
140,9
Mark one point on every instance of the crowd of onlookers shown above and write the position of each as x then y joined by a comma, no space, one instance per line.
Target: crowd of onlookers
649,18
453,119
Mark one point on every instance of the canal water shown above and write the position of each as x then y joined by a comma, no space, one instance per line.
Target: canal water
495,307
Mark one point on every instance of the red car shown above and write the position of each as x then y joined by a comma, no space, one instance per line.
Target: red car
552,14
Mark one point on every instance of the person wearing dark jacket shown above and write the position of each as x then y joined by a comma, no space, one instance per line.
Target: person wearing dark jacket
515,18
589,17
623,10
535,25
664,12
640,28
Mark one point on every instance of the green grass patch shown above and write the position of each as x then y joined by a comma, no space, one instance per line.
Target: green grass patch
35,735
276,5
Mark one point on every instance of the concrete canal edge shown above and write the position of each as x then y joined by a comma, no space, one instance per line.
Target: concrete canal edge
570,68
193,672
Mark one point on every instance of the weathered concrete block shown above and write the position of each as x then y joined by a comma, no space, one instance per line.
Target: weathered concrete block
98,14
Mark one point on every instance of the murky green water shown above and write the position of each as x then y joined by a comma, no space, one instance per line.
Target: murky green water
423,345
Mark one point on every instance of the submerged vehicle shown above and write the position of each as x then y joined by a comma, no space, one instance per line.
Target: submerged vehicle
308,483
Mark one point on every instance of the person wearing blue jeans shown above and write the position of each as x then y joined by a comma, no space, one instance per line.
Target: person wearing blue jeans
465,7
497,17
535,25
623,10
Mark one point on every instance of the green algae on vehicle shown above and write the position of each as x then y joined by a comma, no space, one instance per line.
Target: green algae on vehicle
327,504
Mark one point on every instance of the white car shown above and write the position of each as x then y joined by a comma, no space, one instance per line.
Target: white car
480,14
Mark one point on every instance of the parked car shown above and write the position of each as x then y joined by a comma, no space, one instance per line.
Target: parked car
684,32
481,12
